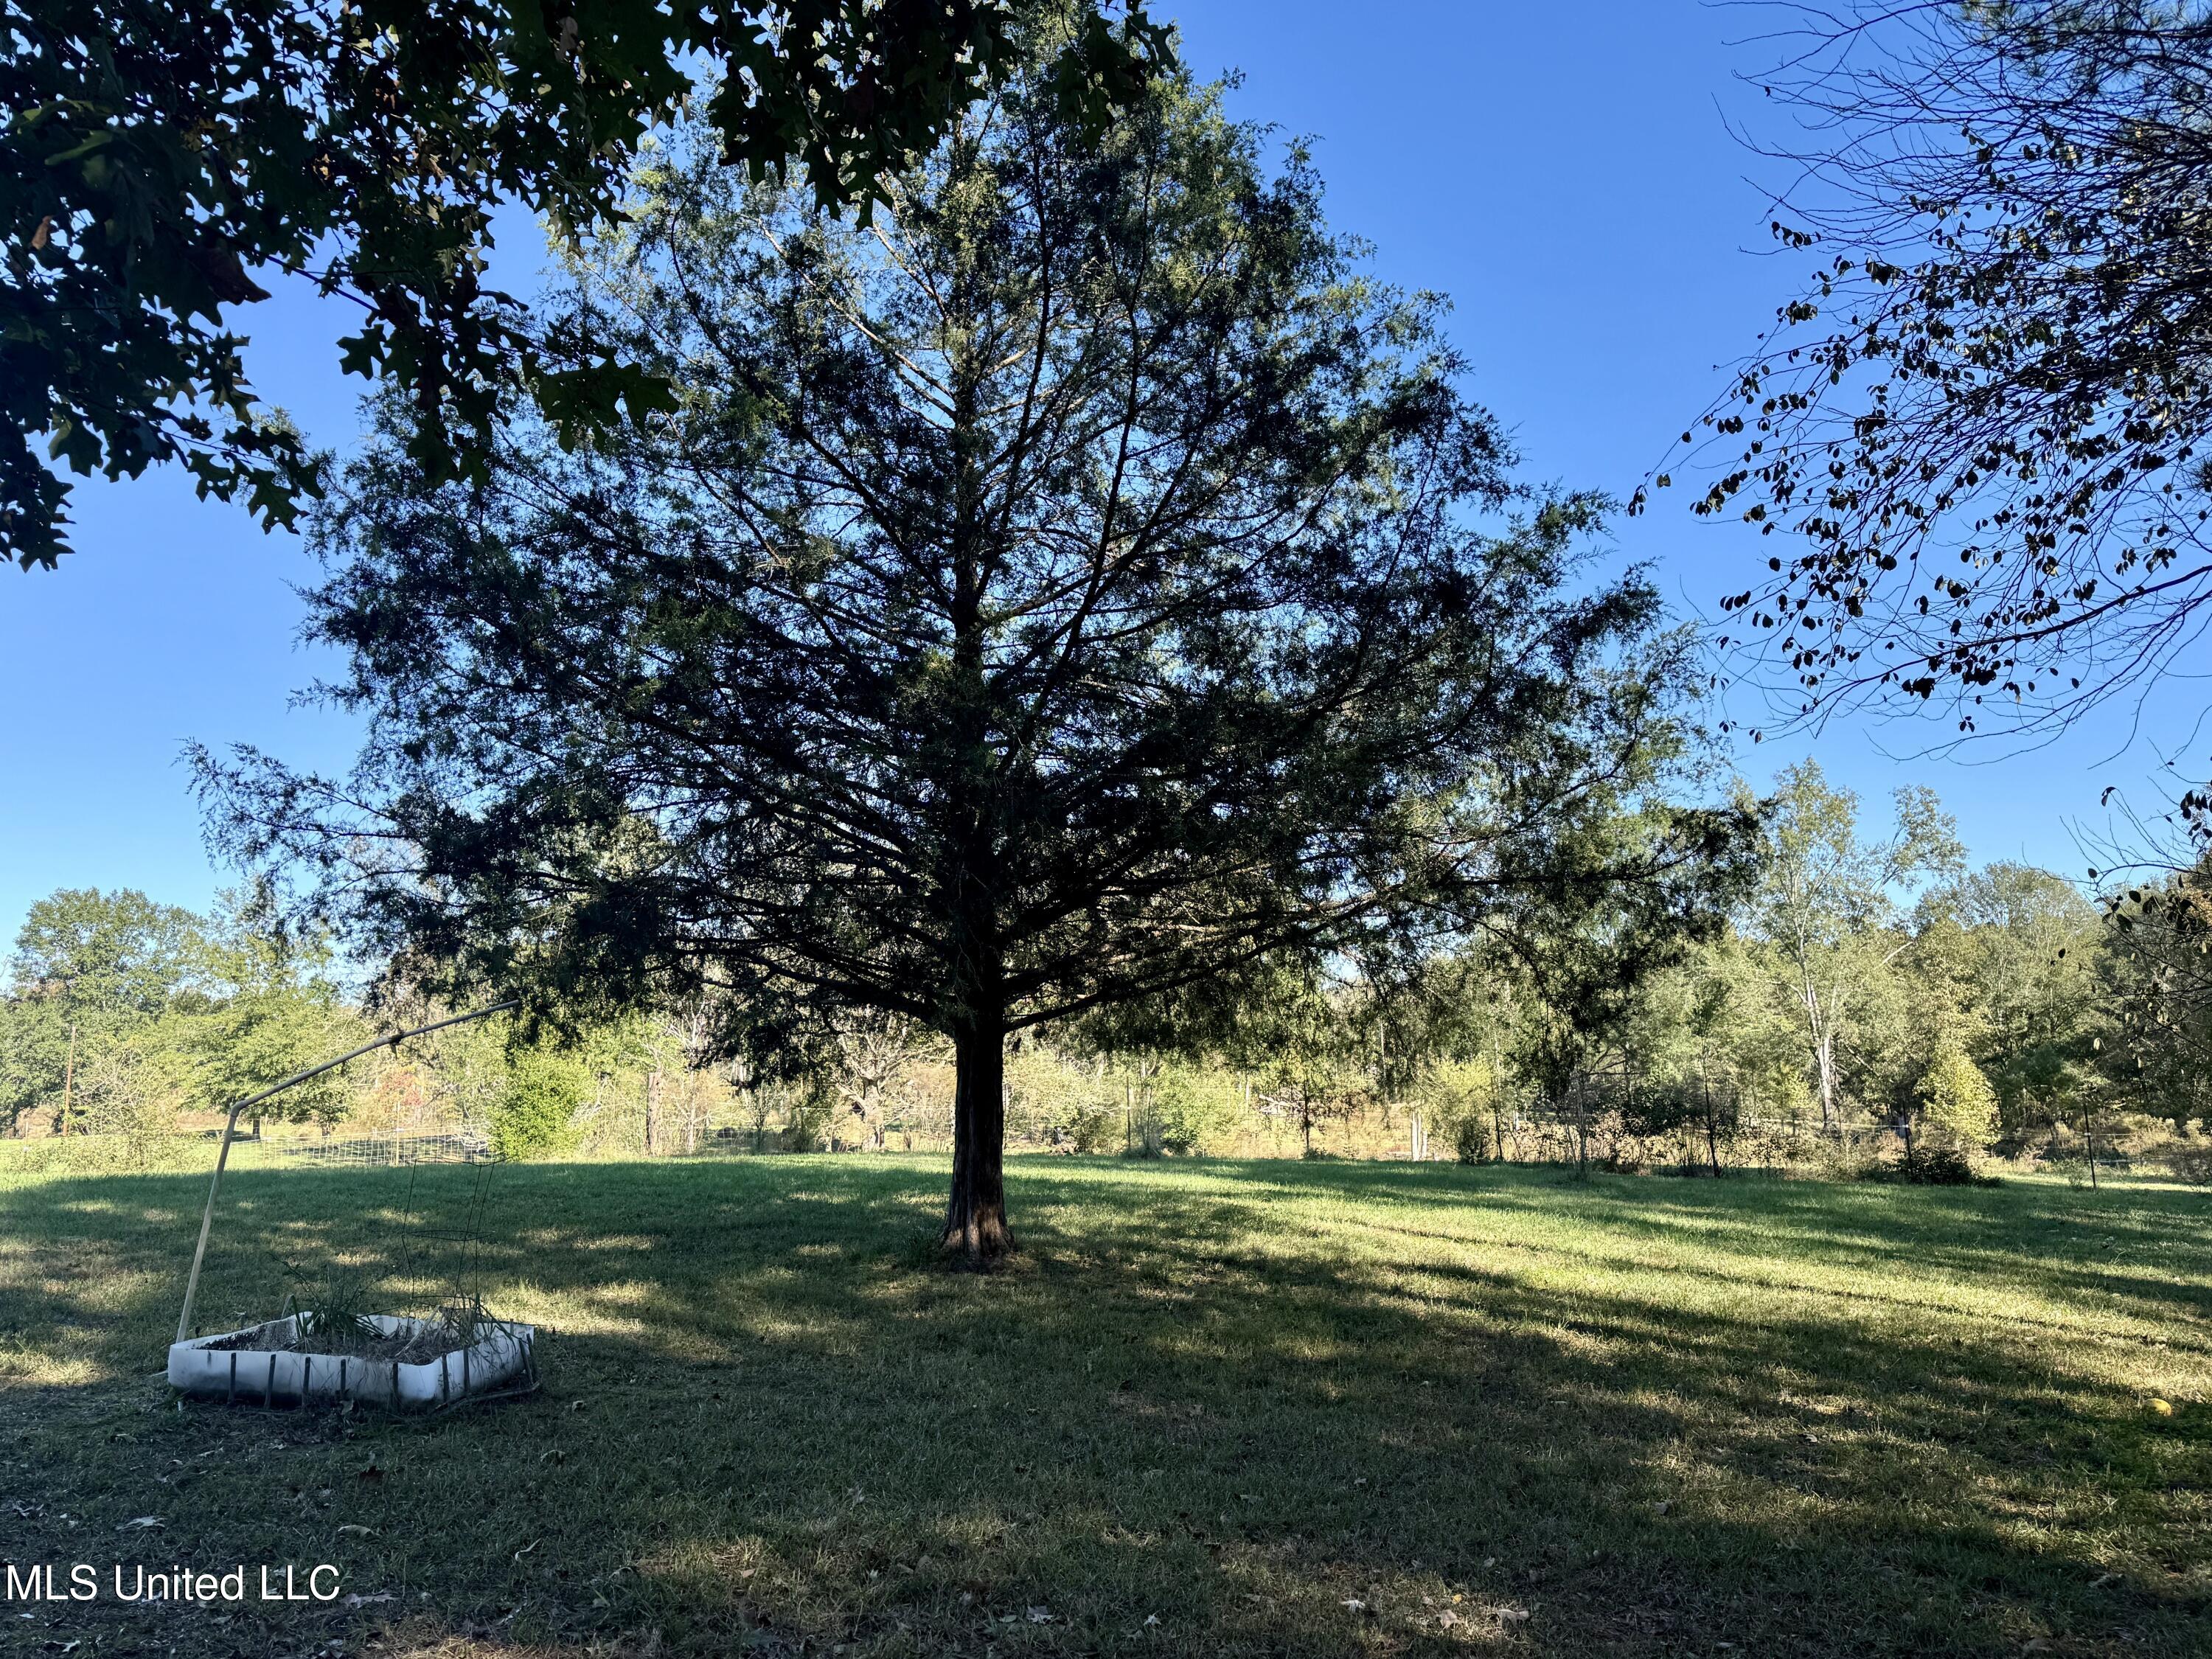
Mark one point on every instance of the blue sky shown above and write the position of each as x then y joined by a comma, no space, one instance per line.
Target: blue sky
1565,175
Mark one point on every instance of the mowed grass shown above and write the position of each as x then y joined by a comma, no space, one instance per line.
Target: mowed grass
1213,1408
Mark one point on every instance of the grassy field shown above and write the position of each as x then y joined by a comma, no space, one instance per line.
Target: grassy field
1214,1408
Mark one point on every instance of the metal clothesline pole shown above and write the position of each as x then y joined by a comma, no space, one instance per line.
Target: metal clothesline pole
222,1153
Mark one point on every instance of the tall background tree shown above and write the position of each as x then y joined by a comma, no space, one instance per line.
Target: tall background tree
1081,582
1827,904
88,967
272,1010
2032,950
2154,1054
160,158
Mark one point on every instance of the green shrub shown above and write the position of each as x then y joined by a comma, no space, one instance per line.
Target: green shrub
1095,1130
807,1128
1957,1103
1936,1166
2191,1161
1928,1166
1061,1103
1471,1140
1148,1141
1462,1099
1197,1109
535,1115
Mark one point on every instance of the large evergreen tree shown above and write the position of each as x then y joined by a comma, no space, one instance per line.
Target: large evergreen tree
1081,583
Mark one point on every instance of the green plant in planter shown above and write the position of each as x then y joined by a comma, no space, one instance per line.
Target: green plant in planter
333,1311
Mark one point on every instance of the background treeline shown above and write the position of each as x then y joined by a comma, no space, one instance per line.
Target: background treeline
1872,1002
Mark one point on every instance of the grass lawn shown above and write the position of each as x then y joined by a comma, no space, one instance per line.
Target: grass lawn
1214,1408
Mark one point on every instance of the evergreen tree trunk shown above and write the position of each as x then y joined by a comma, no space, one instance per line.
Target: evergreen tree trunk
976,1216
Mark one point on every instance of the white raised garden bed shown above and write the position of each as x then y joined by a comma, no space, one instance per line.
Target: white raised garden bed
263,1365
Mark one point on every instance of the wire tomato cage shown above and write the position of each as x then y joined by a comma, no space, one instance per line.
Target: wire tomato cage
334,1350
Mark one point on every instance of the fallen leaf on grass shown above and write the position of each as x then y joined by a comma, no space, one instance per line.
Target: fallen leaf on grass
363,1600
140,1522
351,1527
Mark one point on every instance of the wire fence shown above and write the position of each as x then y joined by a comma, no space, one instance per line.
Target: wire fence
190,1153
392,1151
1736,1141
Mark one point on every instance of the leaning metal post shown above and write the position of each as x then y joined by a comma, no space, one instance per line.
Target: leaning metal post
222,1153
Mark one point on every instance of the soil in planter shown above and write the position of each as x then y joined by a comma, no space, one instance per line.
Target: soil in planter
453,1328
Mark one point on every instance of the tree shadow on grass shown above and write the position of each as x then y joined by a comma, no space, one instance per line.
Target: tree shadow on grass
1210,1409
2153,1246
